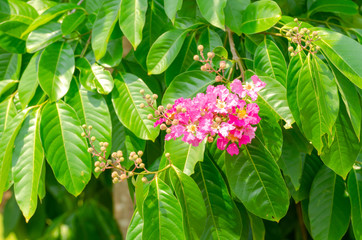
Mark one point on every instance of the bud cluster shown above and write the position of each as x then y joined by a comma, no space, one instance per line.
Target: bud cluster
208,64
304,39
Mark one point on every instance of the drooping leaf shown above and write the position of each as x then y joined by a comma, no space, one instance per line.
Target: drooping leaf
338,49
184,155
164,51
213,11
192,203
210,40
187,85
27,164
55,70
223,219
260,16
317,100
103,26
65,148
10,36
103,80
135,227
234,13
132,17
164,214
8,112
335,6
171,8
255,178
9,65
72,21
126,99
269,60
329,207
43,36
355,196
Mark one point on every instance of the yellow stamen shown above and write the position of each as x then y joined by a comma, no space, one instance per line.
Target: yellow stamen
242,114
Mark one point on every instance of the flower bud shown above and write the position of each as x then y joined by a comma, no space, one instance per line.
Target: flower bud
218,119
292,54
295,19
142,91
100,158
295,29
207,66
84,126
130,174
200,48
114,174
121,159
96,164
210,139
178,108
169,106
150,116
163,126
183,110
119,153
144,179
114,155
105,144
290,49
210,54
168,130
157,113
142,165
168,122
83,134
123,176
203,68
97,169
102,164
142,105
140,153
90,150
148,96
317,48
175,122
155,96
93,138
314,33
196,58
109,162
167,155
103,149
218,78
115,180
138,160
132,154
90,127
222,64
160,108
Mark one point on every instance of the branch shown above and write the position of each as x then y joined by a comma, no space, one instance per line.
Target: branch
235,54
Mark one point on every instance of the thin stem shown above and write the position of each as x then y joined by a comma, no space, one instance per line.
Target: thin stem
86,46
301,222
235,54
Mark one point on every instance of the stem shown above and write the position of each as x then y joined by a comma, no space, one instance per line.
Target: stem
324,22
86,46
301,222
235,54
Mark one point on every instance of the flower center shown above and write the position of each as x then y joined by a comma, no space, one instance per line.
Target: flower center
220,104
232,138
241,114
191,128
249,86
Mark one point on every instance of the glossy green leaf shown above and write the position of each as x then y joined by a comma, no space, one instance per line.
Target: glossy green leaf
164,214
7,85
135,227
103,26
41,187
269,60
126,99
213,11
355,196
55,70
171,8
187,85
183,155
6,147
329,207
9,65
72,21
102,79
210,40
223,220
164,51
274,95
132,17
257,227
343,152
8,112
18,11
234,13
335,6
338,49
92,110
141,190
50,14
65,148
256,180
27,160
29,81
317,100
114,53
192,203
260,16
10,36
43,36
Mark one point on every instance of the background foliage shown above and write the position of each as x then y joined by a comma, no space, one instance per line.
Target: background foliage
64,64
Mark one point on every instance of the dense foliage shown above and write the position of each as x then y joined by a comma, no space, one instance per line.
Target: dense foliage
76,101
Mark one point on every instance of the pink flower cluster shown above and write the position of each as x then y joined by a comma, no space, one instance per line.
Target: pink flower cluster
226,115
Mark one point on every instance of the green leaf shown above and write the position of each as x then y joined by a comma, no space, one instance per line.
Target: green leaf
50,14
183,155
210,40
213,11
28,159
171,8
29,81
56,67
164,51
338,49
114,53
134,231
192,203
355,196
329,208
7,85
274,95
65,148
8,112
132,18
18,11
141,190
257,227
223,219
164,214
10,36
233,14
43,36
92,110
255,173
269,60
317,99
335,6
187,85
126,99
72,21
103,26
103,80
41,187
9,65
343,152
6,147
260,16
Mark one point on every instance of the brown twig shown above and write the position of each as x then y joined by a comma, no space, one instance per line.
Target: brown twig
301,222
235,54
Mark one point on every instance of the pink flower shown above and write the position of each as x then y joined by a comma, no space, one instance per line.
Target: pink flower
233,149
252,88
221,143
237,88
